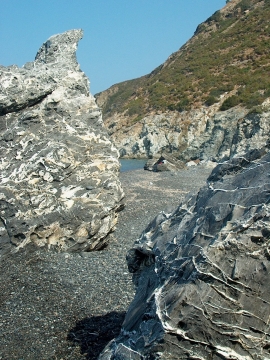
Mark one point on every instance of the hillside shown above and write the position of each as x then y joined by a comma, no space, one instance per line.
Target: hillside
224,63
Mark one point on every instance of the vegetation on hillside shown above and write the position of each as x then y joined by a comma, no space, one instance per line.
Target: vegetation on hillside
229,51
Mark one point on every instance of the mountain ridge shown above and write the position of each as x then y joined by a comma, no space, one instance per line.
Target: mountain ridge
222,66
127,97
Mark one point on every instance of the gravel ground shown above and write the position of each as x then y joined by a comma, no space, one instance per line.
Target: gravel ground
69,306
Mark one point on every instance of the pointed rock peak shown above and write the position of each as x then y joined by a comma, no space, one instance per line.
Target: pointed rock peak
60,47
66,159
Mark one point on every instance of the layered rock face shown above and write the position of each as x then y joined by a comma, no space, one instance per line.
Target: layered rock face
202,273
204,134
59,170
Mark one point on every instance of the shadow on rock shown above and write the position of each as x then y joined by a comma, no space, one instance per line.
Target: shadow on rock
94,333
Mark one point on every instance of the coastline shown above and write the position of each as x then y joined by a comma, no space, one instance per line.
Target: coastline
69,306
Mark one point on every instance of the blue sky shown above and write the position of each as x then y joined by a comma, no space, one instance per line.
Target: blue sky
123,39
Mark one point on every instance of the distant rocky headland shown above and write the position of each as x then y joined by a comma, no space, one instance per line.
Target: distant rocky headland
59,170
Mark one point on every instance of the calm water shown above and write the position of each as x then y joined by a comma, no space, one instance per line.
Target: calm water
132,164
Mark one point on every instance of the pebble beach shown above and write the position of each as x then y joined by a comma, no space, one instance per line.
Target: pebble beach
69,306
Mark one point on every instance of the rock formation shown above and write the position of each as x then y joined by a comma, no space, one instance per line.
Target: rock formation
204,134
202,273
59,170
166,162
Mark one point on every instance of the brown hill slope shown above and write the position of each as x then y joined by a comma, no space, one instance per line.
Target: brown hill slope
225,63
225,50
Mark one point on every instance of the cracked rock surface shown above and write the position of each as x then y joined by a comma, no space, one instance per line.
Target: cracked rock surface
202,273
59,184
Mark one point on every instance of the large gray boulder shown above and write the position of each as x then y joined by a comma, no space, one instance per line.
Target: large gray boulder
202,273
59,184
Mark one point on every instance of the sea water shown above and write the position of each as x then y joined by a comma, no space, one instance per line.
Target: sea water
132,164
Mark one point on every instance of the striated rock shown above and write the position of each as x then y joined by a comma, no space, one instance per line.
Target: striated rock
252,132
202,273
202,133
205,134
59,170
149,137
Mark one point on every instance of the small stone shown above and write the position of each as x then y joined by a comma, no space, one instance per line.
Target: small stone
48,177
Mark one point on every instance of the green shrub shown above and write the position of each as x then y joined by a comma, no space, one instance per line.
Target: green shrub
200,28
254,99
267,91
245,5
182,105
135,107
210,100
215,17
230,102
217,92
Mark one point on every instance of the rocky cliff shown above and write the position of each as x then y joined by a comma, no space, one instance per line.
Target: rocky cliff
59,170
196,102
202,271
199,134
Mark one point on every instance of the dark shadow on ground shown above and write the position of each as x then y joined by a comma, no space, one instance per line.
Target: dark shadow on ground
93,334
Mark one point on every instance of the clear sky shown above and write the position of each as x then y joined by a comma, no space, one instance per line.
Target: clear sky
123,39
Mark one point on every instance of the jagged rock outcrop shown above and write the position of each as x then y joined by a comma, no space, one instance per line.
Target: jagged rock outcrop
202,273
204,134
59,170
